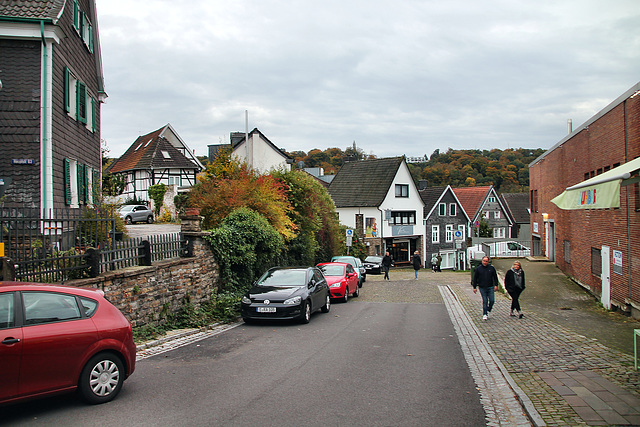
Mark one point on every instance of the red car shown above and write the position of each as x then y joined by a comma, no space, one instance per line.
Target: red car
341,278
57,339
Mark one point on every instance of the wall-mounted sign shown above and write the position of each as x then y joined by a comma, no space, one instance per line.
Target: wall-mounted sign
617,262
535,227
23,162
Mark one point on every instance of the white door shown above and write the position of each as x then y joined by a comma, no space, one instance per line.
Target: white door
605,298
448,260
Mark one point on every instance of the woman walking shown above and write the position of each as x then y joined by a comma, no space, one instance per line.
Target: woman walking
417,263
514,283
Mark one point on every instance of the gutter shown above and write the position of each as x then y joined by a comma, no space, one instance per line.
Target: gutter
45,125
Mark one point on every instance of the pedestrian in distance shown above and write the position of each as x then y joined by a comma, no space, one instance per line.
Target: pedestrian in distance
514,284
438,263
387,262
417,262
485,278
434,263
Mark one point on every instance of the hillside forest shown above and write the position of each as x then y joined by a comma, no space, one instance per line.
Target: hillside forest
507,170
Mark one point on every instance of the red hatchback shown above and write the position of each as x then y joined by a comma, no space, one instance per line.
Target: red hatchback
56,339
341,278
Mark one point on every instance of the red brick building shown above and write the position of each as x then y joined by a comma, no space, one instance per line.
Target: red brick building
597,244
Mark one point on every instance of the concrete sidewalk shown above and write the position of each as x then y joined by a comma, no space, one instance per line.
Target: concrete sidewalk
572,359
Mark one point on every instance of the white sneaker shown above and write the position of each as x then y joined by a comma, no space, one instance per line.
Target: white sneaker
485,317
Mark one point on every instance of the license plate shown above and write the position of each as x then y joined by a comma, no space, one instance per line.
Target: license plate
266,309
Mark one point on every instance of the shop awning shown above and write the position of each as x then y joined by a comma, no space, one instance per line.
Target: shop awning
601,191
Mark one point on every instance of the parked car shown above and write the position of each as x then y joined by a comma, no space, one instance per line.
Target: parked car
509,249
373,264
136,213
341,278
58,339
357,266
287,293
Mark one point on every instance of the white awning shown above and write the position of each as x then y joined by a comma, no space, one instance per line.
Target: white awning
601,191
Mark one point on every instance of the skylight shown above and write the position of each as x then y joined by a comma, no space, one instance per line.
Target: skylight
166,154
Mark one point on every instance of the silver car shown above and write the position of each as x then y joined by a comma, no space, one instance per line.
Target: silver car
136,213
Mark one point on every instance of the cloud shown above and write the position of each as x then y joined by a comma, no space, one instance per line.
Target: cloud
396,77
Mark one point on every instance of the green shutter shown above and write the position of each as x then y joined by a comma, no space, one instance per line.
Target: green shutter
67,182
81,21
81,102
76,14
66,89
94,114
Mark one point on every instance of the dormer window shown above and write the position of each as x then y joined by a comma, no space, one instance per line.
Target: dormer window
165,154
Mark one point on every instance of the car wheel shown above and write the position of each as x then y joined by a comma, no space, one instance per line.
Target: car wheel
128,220
327,305
356,293
149,219
345,298
306,312
359,284
101,378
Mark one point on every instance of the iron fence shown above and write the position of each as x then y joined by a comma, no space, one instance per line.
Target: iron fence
75,244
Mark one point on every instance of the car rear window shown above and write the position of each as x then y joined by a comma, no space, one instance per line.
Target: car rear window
89,306
6,310
332,270
44,307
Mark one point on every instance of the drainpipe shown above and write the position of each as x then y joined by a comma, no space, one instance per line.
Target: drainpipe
45,126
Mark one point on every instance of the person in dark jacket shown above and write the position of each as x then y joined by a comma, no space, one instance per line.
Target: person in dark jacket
387,262
514,284
417,262
485,278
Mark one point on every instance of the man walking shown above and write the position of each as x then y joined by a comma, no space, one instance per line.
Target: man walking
387,261
485,278
417,263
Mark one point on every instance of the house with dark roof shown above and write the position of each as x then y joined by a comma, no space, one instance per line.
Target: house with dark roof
380,201
518,209
447,225
483,205
256,150
52,88
159,157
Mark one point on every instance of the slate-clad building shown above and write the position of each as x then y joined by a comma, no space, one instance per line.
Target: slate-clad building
50,96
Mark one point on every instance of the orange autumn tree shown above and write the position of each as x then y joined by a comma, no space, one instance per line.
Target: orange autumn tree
227,185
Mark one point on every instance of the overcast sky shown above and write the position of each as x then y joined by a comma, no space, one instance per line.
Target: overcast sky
397,77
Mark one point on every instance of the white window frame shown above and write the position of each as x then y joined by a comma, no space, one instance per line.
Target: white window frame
499,233
435,234
452,209
177,180
449,233
442,209
462,228
496,214
402,190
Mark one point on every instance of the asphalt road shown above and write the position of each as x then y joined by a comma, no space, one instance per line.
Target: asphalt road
143,230
364,363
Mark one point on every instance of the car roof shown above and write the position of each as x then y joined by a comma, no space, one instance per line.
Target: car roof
333,263
30,286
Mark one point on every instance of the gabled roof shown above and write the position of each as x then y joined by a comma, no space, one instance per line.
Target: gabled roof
518,206
471,198
238,138
147,153
364,183
34,9
430,197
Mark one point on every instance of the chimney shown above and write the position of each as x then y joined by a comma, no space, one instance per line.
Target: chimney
570,126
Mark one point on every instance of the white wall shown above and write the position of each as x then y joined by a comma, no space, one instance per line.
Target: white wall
262,156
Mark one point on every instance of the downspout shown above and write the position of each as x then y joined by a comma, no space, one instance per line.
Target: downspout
626,159
45,126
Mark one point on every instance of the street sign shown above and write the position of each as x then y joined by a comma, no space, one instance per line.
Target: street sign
457,234
349,232
349,240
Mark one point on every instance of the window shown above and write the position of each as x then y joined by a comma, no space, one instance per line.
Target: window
496,214
403,218
499,232
452,209
6,310
89,306
463,233
175,180
442,209
491,199
449,233
78,179
78,103
435,234
83,26
567,252
166,154
596,262
45,307
402,190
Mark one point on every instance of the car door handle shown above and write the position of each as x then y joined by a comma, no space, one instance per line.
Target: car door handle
10,341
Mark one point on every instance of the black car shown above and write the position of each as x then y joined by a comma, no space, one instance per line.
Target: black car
287,293
373,264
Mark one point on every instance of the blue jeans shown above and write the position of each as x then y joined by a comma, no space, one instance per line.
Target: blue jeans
488,298
416,273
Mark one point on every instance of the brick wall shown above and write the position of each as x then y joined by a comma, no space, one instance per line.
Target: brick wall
611,138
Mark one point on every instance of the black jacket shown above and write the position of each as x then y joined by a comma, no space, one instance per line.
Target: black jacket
510,282
417,263
485,277
387,261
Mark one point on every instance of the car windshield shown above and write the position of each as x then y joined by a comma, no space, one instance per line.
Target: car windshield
332,270
126,208
373,259
284,278
345,259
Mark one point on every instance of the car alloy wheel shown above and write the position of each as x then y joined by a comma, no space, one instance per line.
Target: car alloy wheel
306,312
101,378
345,298
128,220
327,305
149,219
